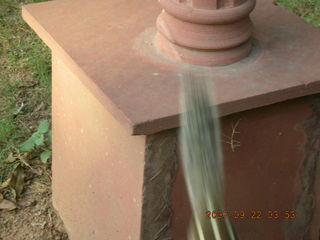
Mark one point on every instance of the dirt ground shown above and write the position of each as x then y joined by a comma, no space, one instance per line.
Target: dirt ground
34,217
26,211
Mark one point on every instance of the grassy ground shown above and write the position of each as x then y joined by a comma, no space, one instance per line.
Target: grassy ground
24,81
25,101
309,10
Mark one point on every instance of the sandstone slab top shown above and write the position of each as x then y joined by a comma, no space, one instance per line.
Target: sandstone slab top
109,45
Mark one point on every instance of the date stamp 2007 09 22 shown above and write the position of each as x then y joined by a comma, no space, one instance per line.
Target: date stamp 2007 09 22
252,214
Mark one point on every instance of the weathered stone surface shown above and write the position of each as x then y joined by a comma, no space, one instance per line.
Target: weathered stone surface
204,32
97,167
159,174
271,165
109,45
108,77
306,225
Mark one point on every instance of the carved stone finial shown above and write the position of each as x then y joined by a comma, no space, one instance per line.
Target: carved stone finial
205,32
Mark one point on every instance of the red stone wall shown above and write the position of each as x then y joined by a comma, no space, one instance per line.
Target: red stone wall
274,170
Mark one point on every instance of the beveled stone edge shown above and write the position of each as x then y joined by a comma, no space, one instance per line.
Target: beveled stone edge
74,67
172,121
229,108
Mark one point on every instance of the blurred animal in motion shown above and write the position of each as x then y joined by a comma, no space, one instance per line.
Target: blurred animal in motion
202,161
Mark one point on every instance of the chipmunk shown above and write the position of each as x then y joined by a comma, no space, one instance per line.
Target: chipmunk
202,161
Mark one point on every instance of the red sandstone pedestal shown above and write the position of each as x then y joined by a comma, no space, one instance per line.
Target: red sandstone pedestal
116,172
205,32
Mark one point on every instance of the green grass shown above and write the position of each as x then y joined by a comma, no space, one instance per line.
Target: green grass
25,73
24,79
309,10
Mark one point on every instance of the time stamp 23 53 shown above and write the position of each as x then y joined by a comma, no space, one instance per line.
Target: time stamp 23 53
252,214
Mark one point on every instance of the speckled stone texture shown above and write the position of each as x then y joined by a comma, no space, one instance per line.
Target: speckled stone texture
112,52
275,169
110,83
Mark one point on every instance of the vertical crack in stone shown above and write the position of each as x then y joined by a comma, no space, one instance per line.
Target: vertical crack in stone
159,173
299,228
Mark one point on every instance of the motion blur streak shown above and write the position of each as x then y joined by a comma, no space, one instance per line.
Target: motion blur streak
202,161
